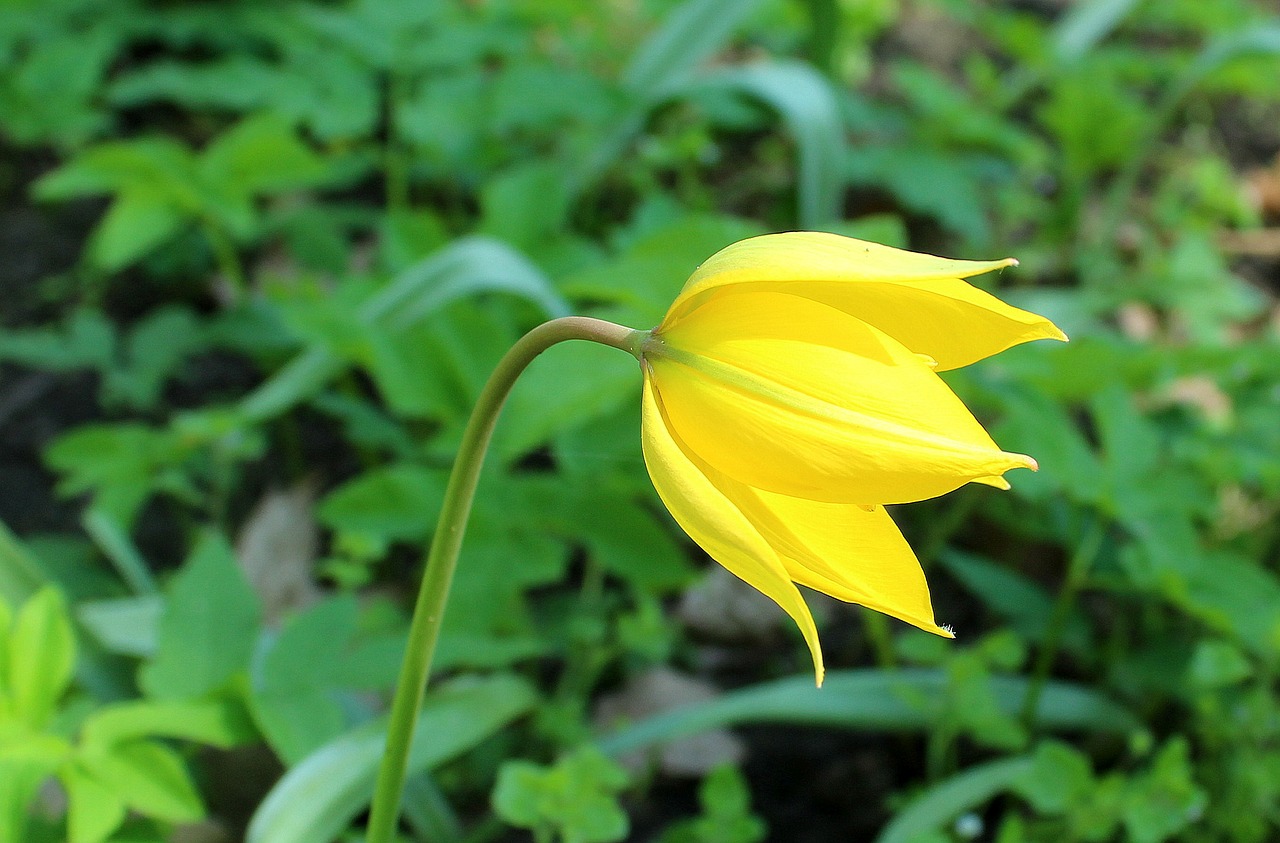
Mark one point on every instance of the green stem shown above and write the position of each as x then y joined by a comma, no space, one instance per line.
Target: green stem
224,252
1077,572
443,556
824,34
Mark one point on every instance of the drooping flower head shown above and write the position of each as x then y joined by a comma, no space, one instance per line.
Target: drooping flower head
791,391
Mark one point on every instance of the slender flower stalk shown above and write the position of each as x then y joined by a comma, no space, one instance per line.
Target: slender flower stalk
442,559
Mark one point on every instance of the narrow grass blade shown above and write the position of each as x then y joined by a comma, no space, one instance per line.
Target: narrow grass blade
949,799
868,699
805,101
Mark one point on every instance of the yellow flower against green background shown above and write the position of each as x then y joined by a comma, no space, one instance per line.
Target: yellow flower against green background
791,392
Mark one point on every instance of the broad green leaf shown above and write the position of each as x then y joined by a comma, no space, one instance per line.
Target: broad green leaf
564,387
294,693
220,722
148,777
262,154
20,780
945,801
127,625
318,798
208,628
41,658
157,165
465,267
94,809
868,699
1060,779
139,220
394,503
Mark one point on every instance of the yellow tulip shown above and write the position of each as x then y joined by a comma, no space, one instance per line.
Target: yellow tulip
791,392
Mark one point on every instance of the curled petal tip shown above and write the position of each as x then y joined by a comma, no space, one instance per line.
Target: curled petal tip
1011,262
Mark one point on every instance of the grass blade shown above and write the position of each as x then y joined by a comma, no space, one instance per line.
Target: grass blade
950,798
803,98
319,797
871,700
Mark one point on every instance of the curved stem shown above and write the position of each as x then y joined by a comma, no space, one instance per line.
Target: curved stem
447,541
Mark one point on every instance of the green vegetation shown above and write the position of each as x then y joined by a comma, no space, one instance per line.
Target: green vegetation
260,258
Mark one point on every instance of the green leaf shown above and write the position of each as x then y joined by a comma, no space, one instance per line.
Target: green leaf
94,809
1061,779
1083,25
319,797
943,802
690,34
220,722
137,222
563,388
869,699
150,778
41,657
394,503
294,693
1166,799
576,797
127,625
20,780
208,628
118,463
260,155
809,108
726,812
20,574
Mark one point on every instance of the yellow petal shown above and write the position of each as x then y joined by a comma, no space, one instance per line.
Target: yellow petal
794,397
917,299
715,523
843,550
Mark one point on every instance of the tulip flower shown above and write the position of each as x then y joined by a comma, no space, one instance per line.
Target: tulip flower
791,392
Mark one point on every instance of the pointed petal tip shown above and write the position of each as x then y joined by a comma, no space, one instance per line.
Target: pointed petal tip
946,631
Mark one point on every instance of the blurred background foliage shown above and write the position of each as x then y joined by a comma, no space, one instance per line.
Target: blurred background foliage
260,256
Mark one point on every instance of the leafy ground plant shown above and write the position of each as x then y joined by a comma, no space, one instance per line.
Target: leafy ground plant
260,261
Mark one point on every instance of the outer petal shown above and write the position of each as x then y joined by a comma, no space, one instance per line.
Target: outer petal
917,299
842,550
715,523
790,396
